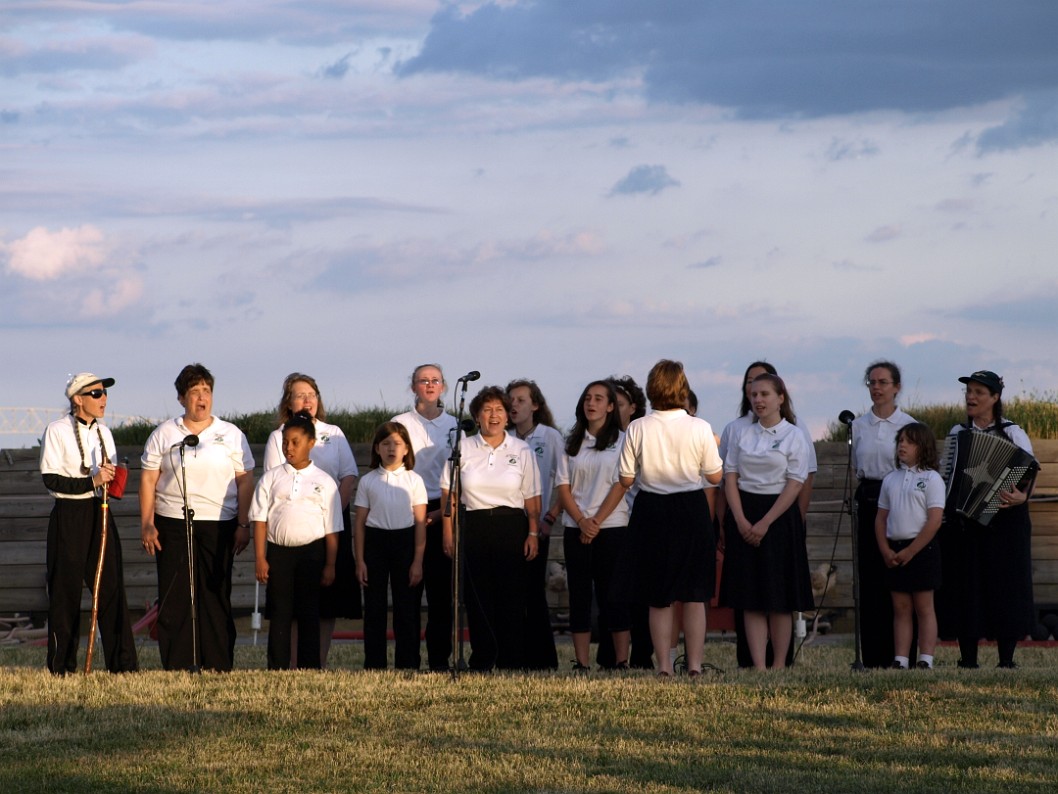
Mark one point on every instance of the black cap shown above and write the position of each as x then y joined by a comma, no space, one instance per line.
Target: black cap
985,378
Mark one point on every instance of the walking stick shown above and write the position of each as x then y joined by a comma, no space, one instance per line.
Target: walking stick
94,625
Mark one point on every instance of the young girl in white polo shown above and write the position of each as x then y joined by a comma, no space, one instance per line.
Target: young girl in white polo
910,508
296,513
390,541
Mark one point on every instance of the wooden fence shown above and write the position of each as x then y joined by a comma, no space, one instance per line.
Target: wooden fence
25,505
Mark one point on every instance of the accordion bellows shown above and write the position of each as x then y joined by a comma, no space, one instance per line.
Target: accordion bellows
977,467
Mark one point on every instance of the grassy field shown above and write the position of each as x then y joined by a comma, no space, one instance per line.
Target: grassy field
817,727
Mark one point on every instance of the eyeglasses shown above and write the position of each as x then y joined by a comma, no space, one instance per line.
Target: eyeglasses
429,382
873,383
95,394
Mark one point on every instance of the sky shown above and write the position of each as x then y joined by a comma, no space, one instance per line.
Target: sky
552,190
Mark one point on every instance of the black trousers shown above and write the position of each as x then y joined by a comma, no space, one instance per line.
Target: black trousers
589,570
540,651
388,554
495,587
293,593
437,581
74,534
214,555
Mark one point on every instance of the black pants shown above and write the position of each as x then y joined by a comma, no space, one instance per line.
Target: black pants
74,534
214,644
590,568
294,574
540,651
437,581
388,554
494,543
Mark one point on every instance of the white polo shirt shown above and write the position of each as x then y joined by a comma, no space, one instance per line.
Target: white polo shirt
222,452
432,441
298,505
670,451
874,443
390,496
59,453
590,474
331,453
502,477
547,445
735,426
766,457
908,494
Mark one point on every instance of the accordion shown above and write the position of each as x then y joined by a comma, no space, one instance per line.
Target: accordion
977,467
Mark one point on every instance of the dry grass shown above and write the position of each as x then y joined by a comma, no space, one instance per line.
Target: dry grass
816,727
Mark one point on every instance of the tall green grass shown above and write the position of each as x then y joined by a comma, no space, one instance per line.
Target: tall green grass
1036,414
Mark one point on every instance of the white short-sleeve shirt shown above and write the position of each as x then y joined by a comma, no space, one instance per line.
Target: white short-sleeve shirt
908,493
546,444
670,451
391,497
504,476
331,453
59,453
590,474
222,452
735,426
298,505
766,457
874,443
432,441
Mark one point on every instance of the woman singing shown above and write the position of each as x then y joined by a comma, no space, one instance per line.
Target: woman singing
501,493
873,457
331,454
219,471
765,561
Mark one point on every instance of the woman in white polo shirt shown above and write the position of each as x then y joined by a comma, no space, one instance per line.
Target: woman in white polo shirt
766,561
501,494
333,455
219,471
432,431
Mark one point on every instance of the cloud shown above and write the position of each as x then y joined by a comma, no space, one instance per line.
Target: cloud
1033,124
763,58
93,53
45,256
712,261
1035,310
338,69
650,179
841,149
883,234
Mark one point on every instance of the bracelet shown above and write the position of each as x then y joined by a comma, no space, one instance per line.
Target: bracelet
549,519
534,534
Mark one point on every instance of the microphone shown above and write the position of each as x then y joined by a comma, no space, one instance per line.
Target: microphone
468,425
190,440
470,376
846,417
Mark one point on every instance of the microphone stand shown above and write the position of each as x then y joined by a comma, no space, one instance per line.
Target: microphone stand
850,508
189,524
459,664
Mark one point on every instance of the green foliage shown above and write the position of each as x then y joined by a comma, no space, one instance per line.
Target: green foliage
358,426
1036,414
816,727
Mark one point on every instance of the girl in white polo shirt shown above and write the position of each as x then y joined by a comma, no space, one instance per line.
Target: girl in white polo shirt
296,513
910,509
390,542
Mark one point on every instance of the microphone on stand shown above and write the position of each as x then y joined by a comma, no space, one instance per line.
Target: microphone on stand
470,376
846,417
190,440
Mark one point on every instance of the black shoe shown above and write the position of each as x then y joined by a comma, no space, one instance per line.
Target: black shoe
1007,665
897,666
968,665
580,669
923,666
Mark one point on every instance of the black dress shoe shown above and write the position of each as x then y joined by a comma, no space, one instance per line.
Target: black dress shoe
968,665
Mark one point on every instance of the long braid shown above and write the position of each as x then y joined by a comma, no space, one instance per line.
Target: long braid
85,468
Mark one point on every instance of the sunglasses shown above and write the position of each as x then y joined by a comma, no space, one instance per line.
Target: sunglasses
95,394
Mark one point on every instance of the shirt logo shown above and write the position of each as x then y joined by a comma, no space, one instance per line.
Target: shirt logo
539,450
920,485
512,460
775,445
324,439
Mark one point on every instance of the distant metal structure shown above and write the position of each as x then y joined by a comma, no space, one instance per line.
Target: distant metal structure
32,421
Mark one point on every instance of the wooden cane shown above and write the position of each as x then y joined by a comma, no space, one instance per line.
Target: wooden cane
94,624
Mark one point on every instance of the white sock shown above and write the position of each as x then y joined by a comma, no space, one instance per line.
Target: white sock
903,661
927,658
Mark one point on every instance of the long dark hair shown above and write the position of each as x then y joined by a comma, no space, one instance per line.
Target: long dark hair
922,437
384,431
744,407
631,391
608,433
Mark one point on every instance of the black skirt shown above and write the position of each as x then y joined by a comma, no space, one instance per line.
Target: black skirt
922,573
772,577
671,555
342,598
